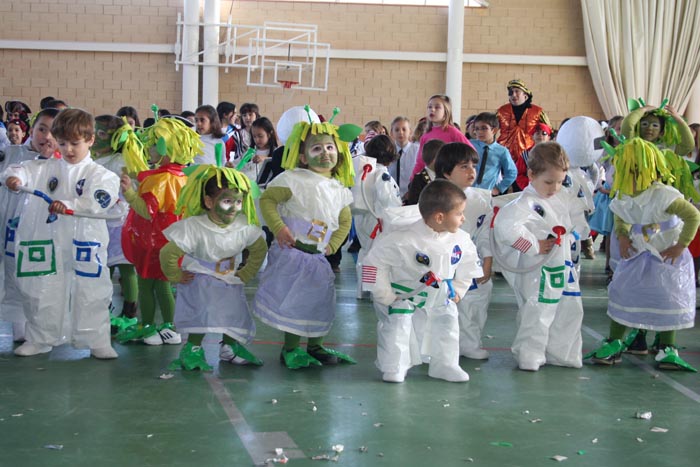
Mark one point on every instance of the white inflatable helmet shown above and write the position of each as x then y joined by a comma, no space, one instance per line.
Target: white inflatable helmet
290,118
580,136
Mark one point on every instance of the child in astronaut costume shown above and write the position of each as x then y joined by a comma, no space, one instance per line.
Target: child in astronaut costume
396,272
219,222
547,287
457,163
61,264
307,207
41,145
119,150
373,193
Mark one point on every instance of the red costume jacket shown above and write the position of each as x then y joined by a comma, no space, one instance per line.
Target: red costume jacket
516,136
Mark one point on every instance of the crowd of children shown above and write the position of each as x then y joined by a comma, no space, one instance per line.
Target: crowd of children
186,208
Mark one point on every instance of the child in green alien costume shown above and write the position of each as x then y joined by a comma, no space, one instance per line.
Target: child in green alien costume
118,149
664,128
308,209
173,145
652,288
219,222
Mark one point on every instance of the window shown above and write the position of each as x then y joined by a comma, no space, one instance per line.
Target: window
467,3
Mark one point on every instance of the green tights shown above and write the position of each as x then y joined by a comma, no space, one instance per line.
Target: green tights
617,331
150,291
291,341
128,281
196,339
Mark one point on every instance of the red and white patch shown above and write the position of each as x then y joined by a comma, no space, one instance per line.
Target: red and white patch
522,244
369,274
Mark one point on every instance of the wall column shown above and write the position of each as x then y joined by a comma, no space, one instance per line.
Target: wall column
455,52
190,48
210,72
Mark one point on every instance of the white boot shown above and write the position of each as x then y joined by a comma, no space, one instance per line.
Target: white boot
444,344
104,353
28,349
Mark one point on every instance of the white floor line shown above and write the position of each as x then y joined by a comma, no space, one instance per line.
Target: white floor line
689,393
260,445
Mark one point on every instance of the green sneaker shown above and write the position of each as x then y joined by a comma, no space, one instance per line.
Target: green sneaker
191,358
329,356
669,359
238,355
609,353
297,358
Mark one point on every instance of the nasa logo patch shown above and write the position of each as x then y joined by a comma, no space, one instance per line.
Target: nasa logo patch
538,209
103,198
480,220
52,184
423,259
386,177
456,255
79,186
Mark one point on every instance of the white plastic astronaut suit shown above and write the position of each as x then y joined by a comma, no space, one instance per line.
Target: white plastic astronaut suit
473,306
394,267
550,309
62,265
371,198
11,308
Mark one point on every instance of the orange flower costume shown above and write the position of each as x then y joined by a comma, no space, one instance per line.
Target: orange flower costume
143,238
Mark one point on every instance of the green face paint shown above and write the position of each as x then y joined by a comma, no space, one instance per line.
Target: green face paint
226,206
103,141
650,128
320,153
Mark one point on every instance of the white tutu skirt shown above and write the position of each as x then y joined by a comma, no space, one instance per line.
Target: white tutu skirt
208,305
646,293
296,293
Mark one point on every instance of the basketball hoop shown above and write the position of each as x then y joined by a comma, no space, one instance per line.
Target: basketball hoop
287,84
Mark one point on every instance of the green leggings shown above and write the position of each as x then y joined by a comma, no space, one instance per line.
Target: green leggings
196,339
617,331
291,341
128,281
150,291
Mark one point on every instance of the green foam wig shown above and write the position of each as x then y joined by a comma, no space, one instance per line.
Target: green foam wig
343,171
125,141
189,203
174,139
639,163
682,177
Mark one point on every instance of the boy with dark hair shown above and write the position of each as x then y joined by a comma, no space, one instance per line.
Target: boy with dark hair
495,160
427,266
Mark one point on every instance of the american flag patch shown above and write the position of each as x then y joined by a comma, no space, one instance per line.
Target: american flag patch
522,244
369,274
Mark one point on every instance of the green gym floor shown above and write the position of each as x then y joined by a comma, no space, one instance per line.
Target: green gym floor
66,409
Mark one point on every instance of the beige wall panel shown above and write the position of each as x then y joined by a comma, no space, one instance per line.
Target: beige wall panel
364,89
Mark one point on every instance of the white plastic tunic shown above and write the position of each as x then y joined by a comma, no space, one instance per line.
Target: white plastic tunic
215,301
62,266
